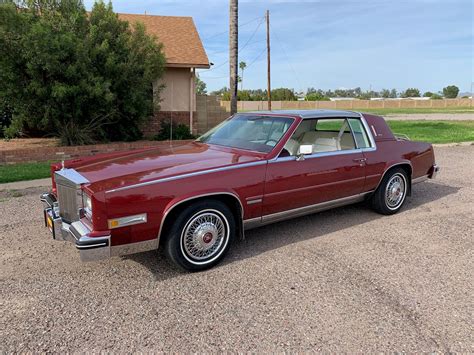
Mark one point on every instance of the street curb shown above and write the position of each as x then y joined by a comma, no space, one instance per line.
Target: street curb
21,185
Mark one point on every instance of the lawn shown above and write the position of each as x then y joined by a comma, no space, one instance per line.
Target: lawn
409,111
435,131
25,171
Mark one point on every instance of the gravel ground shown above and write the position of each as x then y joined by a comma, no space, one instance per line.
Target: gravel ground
432,117
346,280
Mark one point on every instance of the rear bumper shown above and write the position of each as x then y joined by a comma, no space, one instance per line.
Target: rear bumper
90,248
434,171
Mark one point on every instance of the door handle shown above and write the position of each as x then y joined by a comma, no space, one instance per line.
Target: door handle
360,160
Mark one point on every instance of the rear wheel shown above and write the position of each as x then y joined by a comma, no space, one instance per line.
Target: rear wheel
391,194
201,235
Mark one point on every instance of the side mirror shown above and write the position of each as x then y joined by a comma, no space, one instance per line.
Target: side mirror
305,149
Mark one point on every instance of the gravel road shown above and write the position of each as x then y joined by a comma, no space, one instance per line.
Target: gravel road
346,280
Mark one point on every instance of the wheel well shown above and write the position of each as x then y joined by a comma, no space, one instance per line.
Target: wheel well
408,170
230,201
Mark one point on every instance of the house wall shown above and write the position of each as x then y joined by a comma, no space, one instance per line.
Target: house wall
177,100
176,93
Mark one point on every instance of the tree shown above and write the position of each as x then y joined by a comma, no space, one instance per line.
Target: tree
411,92
316,96
77,76
242,66
393,94
201,87
385,93
451,92
283,94
428,94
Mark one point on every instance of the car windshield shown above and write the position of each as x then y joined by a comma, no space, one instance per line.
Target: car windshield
250,132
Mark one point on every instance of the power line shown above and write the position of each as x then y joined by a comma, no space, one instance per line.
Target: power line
227,31
241,48
287,58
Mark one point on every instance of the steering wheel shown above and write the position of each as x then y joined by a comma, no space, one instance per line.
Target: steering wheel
271,140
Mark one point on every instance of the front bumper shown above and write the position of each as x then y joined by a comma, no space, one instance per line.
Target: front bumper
90,248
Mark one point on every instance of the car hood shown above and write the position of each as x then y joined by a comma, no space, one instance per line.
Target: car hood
157,163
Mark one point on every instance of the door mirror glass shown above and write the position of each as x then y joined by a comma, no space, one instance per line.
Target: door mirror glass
306,149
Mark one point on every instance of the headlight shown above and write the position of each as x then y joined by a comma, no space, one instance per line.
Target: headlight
87,204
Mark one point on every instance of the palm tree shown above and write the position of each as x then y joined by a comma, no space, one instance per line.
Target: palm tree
242,66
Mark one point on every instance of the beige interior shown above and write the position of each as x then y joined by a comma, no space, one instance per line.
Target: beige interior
322,141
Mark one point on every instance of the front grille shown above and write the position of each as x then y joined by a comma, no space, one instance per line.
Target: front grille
67,198
68,182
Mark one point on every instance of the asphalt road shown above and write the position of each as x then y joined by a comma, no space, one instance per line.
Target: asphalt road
345,280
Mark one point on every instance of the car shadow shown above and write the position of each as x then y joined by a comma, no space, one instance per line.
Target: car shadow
274,236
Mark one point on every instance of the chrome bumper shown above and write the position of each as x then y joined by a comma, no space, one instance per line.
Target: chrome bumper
434,171
90,248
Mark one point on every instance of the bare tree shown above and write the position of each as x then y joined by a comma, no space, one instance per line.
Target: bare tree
233,55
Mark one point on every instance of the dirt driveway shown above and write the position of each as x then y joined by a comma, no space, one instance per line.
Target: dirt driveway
345,280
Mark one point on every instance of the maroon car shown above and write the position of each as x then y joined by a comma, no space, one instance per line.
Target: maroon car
251,170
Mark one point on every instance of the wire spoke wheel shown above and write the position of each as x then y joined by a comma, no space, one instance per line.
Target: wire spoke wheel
205,236
395,191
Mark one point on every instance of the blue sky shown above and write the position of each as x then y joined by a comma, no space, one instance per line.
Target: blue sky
328,44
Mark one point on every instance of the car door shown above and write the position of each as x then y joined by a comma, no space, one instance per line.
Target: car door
334,170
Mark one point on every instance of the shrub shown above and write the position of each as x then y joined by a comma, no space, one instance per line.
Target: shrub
316,96
63,69
179,132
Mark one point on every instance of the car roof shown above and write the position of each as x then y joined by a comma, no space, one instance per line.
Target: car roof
307,114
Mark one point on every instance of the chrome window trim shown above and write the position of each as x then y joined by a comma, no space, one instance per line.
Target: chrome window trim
184,176
373,146
317,155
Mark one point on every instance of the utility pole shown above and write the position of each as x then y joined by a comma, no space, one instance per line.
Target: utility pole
269,89
233,53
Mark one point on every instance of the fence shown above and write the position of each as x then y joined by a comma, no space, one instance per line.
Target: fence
62,153
349,104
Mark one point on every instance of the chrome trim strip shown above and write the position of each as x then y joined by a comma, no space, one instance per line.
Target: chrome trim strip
196,173
301,211
242,211
252,223
128,220
252,202
419,179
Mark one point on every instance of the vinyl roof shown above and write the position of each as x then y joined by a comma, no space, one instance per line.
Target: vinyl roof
306,114
181,42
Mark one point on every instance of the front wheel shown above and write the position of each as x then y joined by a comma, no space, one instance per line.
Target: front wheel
201,235
391,194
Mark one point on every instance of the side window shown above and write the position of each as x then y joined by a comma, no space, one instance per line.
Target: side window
324,135
360,134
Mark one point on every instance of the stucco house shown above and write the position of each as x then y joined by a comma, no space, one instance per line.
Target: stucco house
184,54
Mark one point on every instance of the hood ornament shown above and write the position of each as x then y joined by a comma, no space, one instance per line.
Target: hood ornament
62,165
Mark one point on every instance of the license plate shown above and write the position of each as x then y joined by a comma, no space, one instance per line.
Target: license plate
49,222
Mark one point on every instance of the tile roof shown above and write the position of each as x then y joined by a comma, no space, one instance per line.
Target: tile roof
181,42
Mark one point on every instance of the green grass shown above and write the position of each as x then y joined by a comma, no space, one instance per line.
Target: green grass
25,171
435,131
409,111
